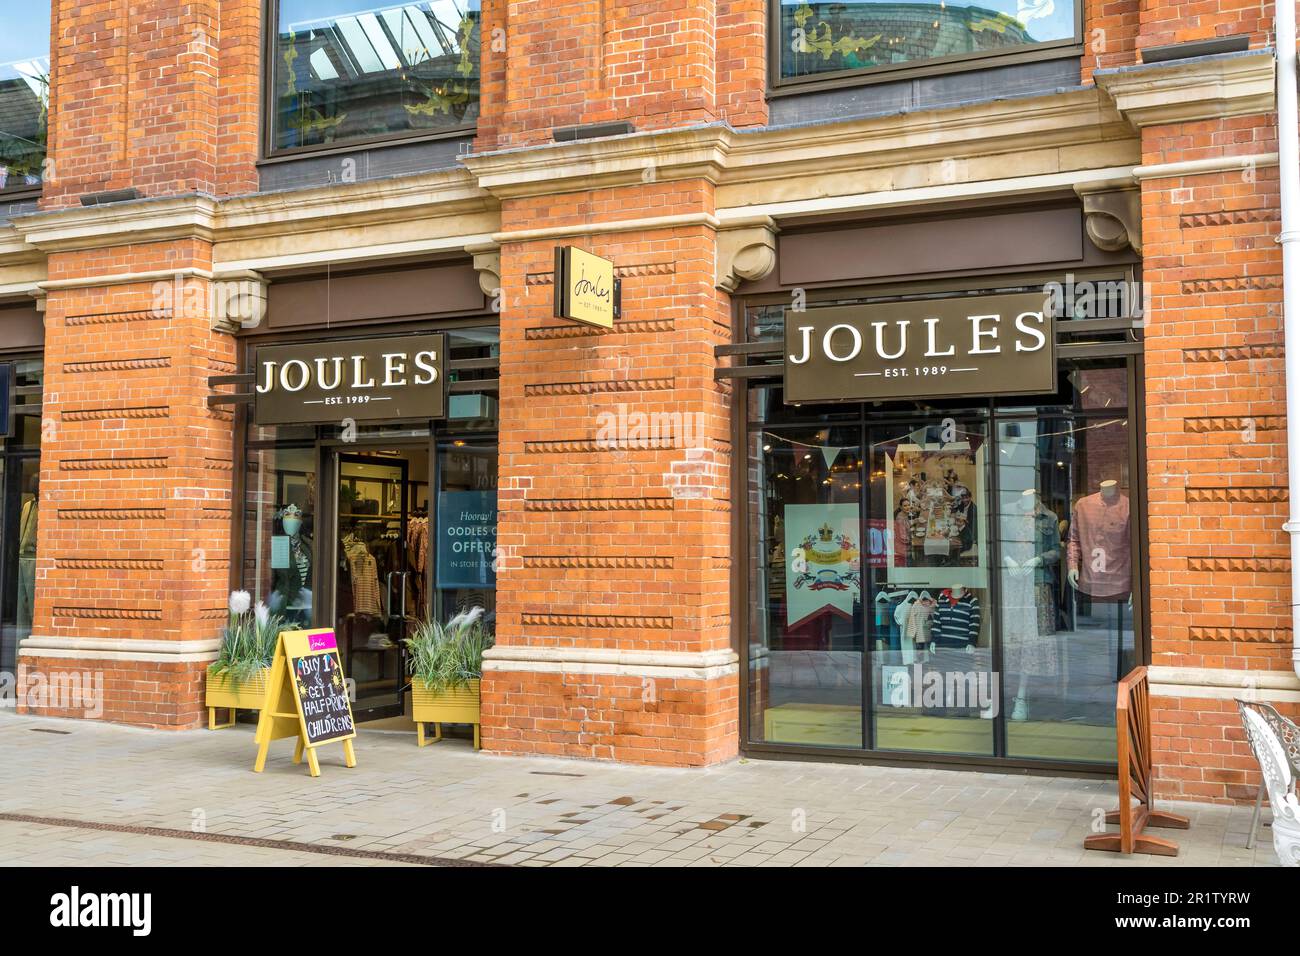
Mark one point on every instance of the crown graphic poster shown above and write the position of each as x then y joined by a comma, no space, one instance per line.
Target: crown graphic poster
824,571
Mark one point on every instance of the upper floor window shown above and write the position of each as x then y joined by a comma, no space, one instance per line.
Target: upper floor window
817,39
24,93
352,71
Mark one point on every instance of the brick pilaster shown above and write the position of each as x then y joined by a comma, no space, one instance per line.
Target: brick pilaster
1216,441
614,458
134,530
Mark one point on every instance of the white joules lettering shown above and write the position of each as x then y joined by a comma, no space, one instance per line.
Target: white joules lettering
880,339
298,367
1037,334
931,328
360,379
338,373
890,340
346,373
426,368
806,332
854,335
977,333
394,366
268,378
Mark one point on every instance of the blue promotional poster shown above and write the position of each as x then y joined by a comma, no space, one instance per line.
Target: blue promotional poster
467,539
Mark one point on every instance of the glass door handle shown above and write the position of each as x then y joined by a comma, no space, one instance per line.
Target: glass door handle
388,594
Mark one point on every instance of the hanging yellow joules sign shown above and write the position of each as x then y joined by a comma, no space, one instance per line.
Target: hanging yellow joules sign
586,289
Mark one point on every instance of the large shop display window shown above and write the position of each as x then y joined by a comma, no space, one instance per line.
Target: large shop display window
949,580
24,93
819,39
352,71
20,466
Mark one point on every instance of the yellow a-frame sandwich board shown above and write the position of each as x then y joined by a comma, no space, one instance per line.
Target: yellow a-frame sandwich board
307,698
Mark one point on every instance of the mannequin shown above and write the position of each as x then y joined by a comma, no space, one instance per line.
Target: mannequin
956,619
1031,552
1100,559
27,559
291,586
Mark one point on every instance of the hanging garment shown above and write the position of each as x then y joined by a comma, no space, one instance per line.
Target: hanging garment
418,544
365,578
919,620
27,529
956,623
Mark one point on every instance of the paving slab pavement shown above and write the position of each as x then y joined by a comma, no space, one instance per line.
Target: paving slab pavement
113,787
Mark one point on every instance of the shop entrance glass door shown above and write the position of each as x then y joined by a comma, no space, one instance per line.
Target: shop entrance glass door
380,584
926,588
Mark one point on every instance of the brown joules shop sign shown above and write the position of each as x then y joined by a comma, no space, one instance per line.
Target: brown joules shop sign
966,346
358,379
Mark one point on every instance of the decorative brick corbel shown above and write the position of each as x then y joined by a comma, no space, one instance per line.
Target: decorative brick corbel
746,251
1113,216
238,300
487,263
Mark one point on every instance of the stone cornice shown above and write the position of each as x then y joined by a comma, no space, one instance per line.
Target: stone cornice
1069,118
725,156
118,224
14,248
697,152
1180,91
444,193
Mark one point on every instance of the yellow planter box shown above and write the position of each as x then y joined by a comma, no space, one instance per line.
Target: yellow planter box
458,706
222,694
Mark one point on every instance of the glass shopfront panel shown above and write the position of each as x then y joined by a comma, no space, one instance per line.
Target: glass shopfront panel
928,600
1066,539
976,564
20,467
355,70
280,510
807,658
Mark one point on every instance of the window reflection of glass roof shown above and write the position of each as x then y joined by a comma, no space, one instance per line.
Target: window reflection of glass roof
383,39
35,73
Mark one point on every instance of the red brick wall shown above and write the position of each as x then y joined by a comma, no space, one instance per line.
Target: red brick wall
1109,35
148,694
174,104
573,62
621,541
1216,440
135,469
1180,22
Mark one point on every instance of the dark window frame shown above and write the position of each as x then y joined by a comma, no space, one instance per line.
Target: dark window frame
268,153
777,85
